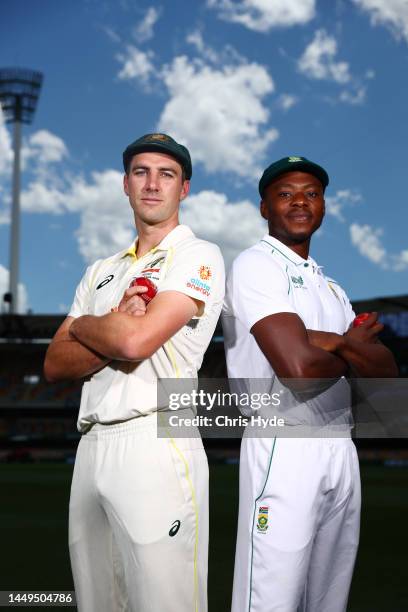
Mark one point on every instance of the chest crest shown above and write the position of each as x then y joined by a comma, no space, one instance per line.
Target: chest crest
153,268
298,282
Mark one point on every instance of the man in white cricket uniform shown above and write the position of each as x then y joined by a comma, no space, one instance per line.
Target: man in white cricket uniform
138,527
284,320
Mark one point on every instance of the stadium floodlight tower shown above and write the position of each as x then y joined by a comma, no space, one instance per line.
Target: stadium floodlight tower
19,91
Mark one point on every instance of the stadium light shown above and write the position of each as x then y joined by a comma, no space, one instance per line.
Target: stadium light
19,92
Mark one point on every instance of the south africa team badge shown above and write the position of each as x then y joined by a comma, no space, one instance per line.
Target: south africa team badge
262,524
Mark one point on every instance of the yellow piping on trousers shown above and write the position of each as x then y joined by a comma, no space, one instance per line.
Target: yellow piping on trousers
185,463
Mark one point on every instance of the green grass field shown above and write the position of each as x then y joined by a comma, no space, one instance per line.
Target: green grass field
33,526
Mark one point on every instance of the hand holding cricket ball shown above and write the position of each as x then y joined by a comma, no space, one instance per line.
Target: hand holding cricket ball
135,299
365,327
359,320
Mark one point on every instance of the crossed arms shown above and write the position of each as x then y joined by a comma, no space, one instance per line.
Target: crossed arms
296,352
86,344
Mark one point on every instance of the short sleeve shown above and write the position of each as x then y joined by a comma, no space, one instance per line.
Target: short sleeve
348,309
256,288
81,303
197,270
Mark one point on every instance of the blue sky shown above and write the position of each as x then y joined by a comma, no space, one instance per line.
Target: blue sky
241,83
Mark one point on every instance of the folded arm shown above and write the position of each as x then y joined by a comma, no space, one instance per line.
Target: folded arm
365,355
119,335
68,359
283,339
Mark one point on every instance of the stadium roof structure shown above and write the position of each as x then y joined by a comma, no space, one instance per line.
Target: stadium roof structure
43,326
394,303
29,327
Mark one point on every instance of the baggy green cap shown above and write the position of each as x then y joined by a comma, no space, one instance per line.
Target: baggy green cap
160,143
292,164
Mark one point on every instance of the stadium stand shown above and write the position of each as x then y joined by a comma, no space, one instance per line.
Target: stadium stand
38,419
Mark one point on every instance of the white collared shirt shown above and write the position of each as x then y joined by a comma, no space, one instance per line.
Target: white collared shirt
181,262
267,279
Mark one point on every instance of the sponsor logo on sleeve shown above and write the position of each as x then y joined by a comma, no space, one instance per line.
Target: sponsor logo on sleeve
205,272
198,284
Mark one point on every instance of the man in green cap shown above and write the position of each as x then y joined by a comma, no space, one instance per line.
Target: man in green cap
138,526
285,323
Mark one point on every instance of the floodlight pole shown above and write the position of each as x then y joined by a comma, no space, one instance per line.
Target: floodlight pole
19,92
15,221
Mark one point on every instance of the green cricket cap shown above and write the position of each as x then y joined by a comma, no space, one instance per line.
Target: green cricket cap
159,143
292,164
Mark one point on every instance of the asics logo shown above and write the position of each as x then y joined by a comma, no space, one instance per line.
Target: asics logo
174,528
105,281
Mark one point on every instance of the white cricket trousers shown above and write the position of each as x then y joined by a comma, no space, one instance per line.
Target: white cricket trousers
138,520
298,526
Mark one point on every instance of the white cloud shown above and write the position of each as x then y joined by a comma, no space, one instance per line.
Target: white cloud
111,34
42,198
400,262
391,13
286,101
106,220
144,30
262,15
45,148
4,288
107,223
196,40
212,217
342,198
354,96
43,193
318,60
219,113
368,241
136,64
41,148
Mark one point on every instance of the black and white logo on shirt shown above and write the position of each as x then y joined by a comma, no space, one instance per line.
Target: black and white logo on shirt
105,281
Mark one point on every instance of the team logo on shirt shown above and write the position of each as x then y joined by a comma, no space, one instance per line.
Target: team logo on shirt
205,273
262,524
152,269
298,282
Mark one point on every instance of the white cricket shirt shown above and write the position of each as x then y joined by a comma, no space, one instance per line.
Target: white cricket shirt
266,279
181,262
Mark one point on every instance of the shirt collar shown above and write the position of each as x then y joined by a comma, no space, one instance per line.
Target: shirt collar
179,233
269,242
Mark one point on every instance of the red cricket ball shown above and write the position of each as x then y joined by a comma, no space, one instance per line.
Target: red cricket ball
148,295
361,318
